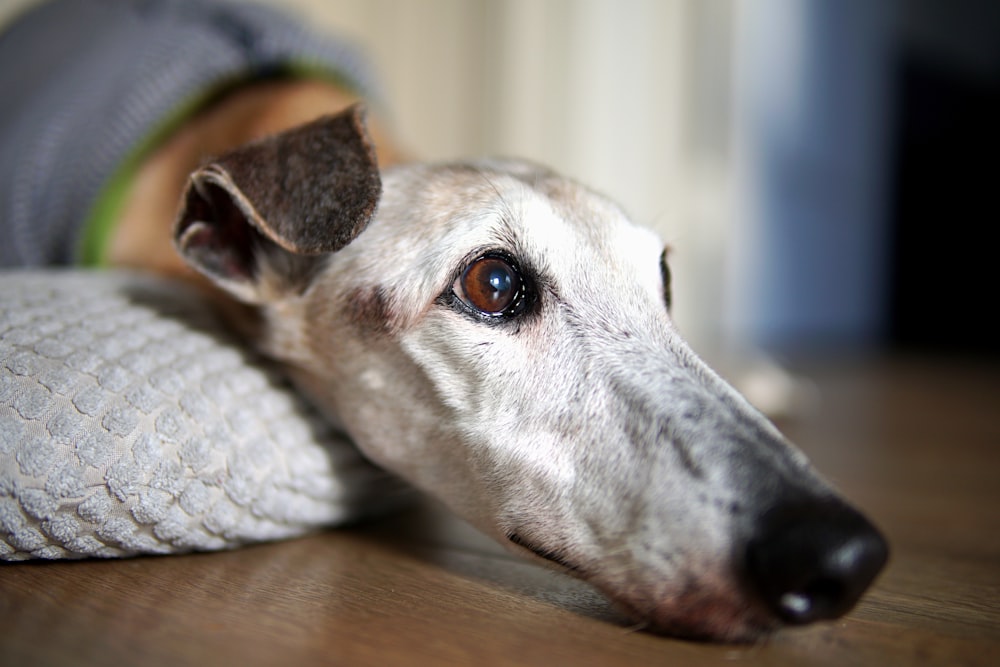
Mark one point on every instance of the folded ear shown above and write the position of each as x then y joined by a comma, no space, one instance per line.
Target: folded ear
261,218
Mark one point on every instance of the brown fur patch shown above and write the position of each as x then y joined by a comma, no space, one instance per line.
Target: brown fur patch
369,309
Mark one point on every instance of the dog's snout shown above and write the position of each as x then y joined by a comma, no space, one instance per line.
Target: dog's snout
813,561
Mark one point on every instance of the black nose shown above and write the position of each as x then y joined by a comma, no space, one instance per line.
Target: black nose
812,561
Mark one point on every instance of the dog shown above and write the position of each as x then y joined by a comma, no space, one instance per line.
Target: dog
500,337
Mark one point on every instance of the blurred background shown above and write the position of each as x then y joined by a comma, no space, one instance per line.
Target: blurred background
824,169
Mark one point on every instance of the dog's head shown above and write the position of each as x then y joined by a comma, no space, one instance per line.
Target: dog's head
500,337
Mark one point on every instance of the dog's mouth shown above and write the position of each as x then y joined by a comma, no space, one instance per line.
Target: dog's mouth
697,614
703,616
551,556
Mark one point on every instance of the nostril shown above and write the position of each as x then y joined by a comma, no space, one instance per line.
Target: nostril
814,561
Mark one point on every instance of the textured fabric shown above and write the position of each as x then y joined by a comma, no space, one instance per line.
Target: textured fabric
86,84
130,423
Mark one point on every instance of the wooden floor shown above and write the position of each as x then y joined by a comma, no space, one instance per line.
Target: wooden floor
916,443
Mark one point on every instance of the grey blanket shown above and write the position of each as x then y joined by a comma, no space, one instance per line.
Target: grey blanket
87,85
132,423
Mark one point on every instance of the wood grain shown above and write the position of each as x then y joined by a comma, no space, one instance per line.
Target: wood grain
916,443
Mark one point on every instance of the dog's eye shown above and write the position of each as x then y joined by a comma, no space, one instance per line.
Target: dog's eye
490,285
668,296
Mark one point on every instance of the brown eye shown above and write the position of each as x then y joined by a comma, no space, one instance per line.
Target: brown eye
489,285
665,275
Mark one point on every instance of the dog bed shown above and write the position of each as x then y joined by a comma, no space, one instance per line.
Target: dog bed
132,423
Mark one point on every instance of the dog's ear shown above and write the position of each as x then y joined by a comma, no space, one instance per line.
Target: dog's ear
260,219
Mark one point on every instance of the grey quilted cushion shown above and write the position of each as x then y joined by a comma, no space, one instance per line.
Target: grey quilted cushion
130,423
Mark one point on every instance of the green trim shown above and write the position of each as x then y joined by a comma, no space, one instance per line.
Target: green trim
99,225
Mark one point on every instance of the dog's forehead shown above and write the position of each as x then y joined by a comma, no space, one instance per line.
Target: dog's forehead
533,212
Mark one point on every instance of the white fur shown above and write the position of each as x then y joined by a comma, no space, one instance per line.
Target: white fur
584,431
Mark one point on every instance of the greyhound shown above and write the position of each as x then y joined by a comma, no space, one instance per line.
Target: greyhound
500,337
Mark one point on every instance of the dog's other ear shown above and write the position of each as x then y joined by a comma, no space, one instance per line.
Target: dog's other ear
259,220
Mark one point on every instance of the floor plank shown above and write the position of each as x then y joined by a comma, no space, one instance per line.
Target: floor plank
916,443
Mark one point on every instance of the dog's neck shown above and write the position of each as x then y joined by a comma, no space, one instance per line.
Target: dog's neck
142,236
